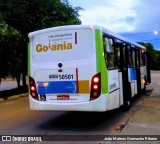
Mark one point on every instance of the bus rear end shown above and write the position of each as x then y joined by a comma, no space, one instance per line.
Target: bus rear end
63,70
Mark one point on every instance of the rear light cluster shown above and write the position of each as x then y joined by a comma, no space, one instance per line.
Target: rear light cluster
95,87
33,89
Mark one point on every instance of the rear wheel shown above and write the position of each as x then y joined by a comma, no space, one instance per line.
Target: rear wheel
127,102
126,106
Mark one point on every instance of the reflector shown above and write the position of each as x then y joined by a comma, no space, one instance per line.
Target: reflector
95,94
33,94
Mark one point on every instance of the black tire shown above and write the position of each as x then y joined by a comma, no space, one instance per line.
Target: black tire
127,103
126,106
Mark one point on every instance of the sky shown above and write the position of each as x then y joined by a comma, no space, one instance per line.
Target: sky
138,20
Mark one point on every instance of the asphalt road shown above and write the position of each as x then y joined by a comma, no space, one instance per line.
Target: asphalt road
17,119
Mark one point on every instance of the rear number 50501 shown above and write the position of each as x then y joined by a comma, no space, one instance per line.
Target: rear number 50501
66,76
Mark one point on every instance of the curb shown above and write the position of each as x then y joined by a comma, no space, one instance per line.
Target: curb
13,97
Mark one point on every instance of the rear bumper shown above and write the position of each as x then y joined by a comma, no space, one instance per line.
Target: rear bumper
95,105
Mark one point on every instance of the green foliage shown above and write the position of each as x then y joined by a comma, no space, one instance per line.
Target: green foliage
154,55
30,15
7,34
18,18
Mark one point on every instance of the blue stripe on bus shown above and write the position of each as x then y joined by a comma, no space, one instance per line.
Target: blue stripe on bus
133,75
57,87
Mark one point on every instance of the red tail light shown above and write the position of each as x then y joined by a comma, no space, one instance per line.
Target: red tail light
95,87
96,79
33,89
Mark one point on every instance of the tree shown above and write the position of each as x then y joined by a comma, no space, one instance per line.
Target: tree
7,34
154,55
30,15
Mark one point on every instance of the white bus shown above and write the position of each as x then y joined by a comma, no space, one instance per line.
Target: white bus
84,68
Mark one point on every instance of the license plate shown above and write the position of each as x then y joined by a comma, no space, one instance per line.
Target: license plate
62,97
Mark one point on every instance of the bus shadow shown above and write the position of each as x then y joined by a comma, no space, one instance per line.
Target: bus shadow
80,120
85,121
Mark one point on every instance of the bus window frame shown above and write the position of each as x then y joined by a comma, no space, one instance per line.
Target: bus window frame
142,58
130,56
134,56
118,47
107,54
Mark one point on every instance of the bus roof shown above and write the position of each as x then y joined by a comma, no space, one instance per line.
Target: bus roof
120,37
106,31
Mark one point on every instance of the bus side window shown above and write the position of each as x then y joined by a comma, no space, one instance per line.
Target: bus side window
133,56
105,48
109,52
118,54
137,55
130,56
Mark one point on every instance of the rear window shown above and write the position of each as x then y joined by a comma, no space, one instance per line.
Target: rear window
62,45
